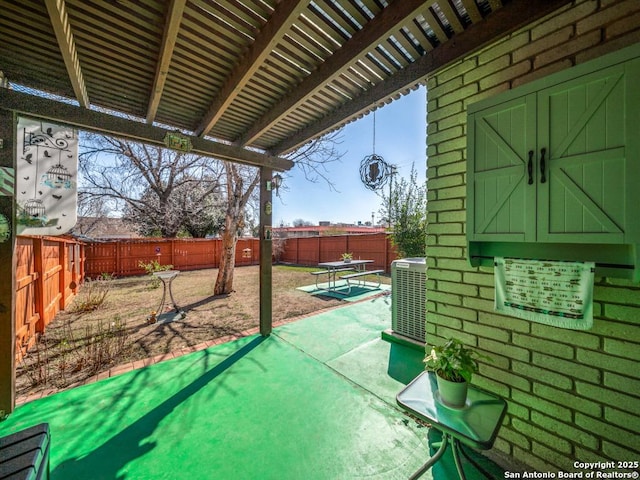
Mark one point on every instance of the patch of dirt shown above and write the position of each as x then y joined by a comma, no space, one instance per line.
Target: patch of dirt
76,346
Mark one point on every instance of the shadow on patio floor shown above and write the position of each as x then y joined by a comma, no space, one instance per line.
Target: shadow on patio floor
315,400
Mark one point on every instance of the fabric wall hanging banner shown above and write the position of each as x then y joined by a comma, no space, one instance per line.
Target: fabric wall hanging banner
550,292
46,178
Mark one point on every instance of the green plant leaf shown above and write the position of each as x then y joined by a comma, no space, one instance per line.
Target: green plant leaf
453,361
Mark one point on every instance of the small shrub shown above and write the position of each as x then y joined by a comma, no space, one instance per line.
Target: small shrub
93,294
36,366
71,352
96,346
152,267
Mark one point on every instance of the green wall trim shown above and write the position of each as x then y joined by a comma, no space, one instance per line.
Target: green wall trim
391,336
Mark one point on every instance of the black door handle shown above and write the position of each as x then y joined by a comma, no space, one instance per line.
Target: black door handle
530,167
543,178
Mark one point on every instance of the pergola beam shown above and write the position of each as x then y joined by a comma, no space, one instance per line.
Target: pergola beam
375,32
472,9
104,123
283,17
502,22
60,23
174,17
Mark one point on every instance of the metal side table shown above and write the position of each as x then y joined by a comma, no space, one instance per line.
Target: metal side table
476,424
167,278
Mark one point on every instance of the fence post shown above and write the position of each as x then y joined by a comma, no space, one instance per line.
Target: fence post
62,279
82,258
386,251
255,251
118,268
39,282
75,271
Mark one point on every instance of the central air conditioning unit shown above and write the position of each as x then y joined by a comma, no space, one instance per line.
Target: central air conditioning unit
409,297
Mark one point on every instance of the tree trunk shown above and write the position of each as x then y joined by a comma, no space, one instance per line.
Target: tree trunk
237,198
224,281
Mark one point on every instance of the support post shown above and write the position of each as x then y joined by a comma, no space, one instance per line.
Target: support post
266,198
63,279
8,262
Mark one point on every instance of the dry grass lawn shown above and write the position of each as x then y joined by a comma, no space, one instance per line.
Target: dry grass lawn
78,345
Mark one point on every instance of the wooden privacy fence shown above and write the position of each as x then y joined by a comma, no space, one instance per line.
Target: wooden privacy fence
48,271
312,250
122,257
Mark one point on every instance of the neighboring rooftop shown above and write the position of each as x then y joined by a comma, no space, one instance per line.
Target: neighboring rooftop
104,228
326,229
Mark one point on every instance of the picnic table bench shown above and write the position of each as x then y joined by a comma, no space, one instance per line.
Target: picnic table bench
331,272
324,272
332,269
360,276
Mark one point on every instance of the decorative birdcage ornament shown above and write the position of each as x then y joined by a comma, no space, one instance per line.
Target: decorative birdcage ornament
57,177
34,208
374,171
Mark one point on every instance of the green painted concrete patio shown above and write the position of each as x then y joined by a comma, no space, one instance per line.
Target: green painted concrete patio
315,400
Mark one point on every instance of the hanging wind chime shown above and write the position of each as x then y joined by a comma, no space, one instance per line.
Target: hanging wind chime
374,171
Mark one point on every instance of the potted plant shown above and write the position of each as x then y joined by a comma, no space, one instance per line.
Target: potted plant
346,257
454,364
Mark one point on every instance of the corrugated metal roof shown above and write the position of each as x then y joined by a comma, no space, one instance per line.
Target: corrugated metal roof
262,74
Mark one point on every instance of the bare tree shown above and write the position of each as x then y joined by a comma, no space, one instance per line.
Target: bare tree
91,213
148,182
203,214
301,222
312,158
192,208
241,183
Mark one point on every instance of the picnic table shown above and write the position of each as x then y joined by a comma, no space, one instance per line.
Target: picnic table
332,269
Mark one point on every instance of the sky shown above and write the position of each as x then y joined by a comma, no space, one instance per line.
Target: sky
400,137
